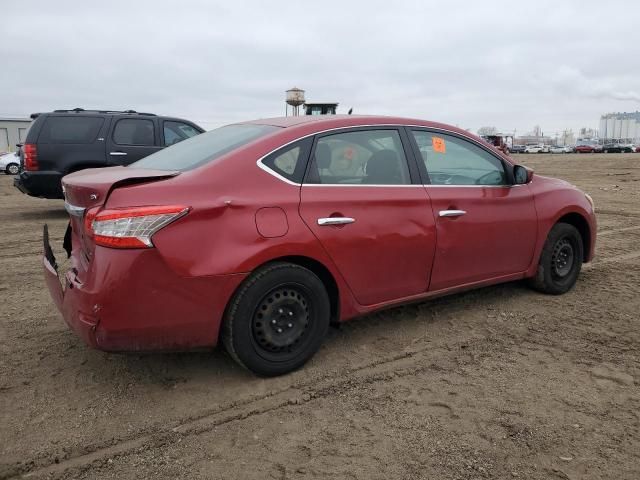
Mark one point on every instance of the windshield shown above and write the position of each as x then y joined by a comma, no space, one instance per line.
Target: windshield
203,148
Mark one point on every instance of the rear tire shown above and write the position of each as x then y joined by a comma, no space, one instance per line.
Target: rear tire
560,260
12,169
277,319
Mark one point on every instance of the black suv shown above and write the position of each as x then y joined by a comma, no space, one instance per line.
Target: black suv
66,141
617,148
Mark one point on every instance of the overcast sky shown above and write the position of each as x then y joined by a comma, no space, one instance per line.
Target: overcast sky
555,64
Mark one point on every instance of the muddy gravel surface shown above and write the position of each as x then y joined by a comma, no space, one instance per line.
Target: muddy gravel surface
500,382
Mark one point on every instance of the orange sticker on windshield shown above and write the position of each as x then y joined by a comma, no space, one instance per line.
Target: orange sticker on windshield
438,145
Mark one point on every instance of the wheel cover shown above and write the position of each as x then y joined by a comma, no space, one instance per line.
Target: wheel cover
562,258
281,320
13,169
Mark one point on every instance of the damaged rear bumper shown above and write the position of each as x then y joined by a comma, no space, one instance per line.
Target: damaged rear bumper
130,300
65,299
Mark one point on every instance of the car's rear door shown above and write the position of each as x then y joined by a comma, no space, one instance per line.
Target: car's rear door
363,201
132,138
486,227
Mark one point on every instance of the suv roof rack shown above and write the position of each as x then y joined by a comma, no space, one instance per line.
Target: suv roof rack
128,112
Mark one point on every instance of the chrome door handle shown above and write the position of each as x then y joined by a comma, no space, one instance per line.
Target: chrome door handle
335,221
117,154
451,213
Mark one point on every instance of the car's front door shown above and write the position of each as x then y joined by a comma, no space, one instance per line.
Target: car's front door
174,131
370,214
132,139
486,227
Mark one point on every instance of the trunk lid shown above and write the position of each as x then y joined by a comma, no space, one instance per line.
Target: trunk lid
91,187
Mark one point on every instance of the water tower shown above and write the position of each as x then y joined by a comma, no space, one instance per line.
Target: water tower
295,98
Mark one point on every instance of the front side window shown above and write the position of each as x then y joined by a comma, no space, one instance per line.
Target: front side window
363,157
175,132
450,160
204,148
134,131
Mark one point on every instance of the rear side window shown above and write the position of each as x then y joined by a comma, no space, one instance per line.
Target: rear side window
290,161
134,131
76,129
175,132
364,157
204,148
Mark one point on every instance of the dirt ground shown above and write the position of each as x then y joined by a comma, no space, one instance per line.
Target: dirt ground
500,382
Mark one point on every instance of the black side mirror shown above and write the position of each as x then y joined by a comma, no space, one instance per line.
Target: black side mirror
522,174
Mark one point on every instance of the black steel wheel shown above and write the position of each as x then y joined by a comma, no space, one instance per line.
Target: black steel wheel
281,319
562,258
277,319
560,261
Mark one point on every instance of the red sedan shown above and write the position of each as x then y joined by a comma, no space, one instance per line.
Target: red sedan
585,149
261,234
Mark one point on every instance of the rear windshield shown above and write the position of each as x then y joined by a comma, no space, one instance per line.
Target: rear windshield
76,129
203,148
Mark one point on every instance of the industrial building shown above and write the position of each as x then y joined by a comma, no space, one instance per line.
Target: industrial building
12,131
620,127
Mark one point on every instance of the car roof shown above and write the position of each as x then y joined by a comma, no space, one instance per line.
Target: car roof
327,122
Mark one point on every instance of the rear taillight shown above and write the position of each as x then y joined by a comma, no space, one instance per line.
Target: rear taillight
30,157
130,227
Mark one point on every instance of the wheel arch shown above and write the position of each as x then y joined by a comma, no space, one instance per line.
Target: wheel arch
582,225
323,273
315,266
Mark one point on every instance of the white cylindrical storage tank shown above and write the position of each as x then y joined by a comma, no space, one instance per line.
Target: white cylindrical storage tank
610,127
602,129
617,128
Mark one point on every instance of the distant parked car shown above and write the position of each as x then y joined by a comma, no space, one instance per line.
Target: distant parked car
533,148
517,149
10,163
65,141
585,149
561,149
617,148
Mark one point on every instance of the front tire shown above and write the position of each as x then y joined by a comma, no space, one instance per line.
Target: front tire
560,262
277,319
12,169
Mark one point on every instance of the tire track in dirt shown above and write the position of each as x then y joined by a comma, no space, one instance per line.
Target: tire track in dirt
617,230
204,421
296,393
